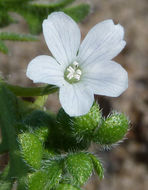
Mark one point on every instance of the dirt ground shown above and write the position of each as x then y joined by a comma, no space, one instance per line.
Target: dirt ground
127,164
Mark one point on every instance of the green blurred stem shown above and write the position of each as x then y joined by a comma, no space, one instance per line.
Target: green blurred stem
34,91
3,148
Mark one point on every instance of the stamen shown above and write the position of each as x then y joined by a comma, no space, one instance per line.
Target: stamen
77,77
70,76
79,72
73,73
70,69
75,63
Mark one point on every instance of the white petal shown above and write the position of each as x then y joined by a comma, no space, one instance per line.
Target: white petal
106,78
45,69
62,36
103,42
76,99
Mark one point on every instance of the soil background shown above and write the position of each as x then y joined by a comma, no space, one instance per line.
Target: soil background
126,165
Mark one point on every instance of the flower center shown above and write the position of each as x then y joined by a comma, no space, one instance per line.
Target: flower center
73,73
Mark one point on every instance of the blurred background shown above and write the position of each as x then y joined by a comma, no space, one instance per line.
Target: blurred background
126,166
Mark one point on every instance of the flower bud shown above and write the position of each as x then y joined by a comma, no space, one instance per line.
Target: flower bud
82,125
86,124
112,129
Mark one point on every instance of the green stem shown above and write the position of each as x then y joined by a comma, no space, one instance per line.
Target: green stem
34,91
3,148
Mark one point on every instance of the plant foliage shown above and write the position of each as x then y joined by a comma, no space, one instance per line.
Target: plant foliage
48,151
34,12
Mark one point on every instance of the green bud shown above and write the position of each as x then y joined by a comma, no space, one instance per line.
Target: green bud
31,149
66,187
80,126
112,129
79,168
86,124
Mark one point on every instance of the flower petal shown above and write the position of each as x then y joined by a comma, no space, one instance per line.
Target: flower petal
106,78
76,99
62,36
45,69
103,42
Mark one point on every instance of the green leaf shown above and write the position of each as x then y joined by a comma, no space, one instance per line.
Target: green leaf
27,92
8,118
17,37
5,18
54,5
79,12
48,177
34,22
113,129
31,149
79,168
3,47
66,187
97,166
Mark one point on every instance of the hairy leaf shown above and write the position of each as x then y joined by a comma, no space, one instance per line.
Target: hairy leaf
97,166
79,167
46,178
31,149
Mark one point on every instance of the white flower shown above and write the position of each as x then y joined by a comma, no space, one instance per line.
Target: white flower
80,71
